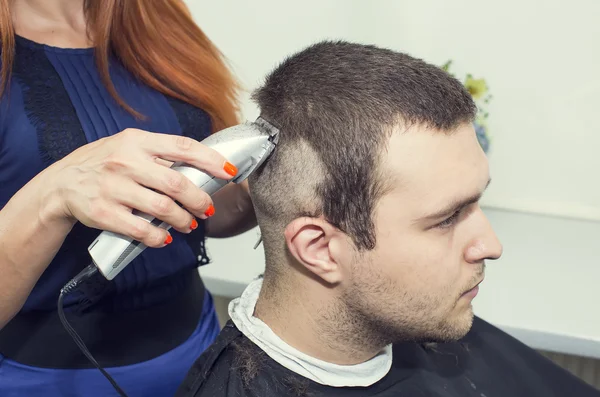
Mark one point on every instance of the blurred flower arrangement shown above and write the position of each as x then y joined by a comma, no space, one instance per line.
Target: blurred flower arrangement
479,91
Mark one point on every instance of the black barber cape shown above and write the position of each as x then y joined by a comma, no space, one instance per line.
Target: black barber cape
485,363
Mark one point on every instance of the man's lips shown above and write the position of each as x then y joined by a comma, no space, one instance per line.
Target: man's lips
472,293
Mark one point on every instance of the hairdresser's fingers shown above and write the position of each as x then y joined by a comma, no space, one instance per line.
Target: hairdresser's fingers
175,185
141,230
188,150
165,163
119,219
160,206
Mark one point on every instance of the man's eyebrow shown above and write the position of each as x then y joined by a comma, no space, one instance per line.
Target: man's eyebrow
456,205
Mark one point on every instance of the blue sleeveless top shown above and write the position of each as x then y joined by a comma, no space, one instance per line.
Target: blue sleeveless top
57,103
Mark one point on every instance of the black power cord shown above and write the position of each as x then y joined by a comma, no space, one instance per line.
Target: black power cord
84,275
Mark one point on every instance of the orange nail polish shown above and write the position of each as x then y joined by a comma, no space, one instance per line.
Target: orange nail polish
210,211
169,239
230,168
194,224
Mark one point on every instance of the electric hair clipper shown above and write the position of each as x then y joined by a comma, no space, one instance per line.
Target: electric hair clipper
246,146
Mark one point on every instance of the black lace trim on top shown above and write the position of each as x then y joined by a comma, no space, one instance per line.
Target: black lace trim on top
59,132
195,123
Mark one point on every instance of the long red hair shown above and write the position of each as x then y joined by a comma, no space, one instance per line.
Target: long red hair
158,42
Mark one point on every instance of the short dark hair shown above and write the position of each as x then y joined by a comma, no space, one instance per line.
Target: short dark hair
336,104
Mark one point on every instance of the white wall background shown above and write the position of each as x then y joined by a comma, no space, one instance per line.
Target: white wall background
540,59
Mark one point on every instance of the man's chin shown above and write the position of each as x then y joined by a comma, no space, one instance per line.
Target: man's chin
459,326
449,330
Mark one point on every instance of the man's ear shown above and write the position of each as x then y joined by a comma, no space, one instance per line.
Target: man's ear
318,246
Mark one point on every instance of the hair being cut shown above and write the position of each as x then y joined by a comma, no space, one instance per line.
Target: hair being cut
336,104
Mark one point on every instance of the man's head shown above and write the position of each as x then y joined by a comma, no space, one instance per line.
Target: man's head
372,193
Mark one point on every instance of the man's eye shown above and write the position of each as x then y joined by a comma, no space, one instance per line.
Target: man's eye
449,222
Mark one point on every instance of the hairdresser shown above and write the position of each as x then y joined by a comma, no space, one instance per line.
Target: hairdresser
99,97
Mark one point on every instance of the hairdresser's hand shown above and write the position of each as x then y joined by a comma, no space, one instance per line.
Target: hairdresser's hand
100,183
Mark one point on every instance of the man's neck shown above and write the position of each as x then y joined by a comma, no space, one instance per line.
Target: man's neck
307,319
